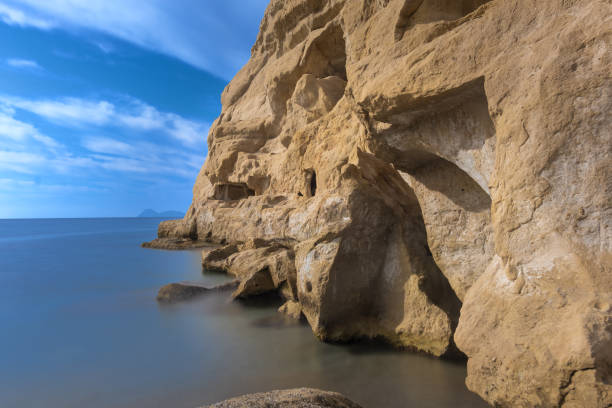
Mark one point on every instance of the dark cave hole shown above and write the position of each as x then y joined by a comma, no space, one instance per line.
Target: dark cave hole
308,287
311,181
313,184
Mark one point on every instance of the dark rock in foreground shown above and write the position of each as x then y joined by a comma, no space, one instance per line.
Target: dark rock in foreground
177,292
296,398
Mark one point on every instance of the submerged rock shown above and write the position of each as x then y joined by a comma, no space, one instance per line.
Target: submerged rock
297,398
291,309
259,266
178,292
427,172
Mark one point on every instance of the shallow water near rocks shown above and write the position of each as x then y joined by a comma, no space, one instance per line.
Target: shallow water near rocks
81,327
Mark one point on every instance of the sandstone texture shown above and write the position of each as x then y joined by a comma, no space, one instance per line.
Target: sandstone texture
291,309
297,398
435,173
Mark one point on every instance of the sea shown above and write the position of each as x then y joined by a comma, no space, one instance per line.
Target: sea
80,327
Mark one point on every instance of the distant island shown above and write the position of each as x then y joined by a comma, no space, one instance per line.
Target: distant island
149,213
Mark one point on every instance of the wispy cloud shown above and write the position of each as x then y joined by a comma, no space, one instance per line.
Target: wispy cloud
32,187
142,157
187,130
135,115
106,145
215,36
104,46
13,129
152,161
26,150
10,184
20,162
22,63
66,110
15,16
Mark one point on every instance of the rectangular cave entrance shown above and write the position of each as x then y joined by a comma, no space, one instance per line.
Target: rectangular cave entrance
232,191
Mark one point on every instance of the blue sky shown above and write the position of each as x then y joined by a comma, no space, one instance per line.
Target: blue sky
105,105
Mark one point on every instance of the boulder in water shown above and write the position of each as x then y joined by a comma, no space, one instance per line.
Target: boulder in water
296,398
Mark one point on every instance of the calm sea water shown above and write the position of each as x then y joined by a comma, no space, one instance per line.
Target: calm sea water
79,326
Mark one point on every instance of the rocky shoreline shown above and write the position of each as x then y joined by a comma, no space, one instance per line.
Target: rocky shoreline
432,173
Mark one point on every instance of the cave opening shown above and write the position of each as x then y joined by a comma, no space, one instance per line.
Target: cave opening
327,54
430,11
311,182
332,47
232,191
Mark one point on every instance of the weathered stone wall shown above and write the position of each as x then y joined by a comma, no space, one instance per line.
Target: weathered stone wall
435,171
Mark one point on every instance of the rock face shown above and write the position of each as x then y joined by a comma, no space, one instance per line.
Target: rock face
298,398
427,172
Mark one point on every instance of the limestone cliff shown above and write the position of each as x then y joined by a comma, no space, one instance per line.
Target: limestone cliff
436,173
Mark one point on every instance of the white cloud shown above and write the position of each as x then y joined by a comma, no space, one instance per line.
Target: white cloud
13,16
10,184
22,63
66,188
11,128
46,140
106,154
135,115
131,156
106,145
188,131
142,157
67,110
123,164
32,187
105,47
146,118
20,162
215,35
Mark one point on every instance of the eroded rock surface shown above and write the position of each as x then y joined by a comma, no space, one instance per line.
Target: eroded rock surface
427,171
297,398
